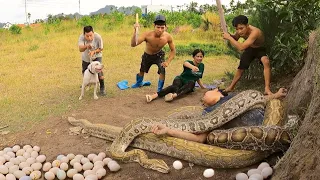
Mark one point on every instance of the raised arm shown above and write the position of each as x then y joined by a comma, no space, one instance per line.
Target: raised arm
140,38
242,46
172,47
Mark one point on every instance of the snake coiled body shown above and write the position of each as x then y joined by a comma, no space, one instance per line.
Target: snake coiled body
136,134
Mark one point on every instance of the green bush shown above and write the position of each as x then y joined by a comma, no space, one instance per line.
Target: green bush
86,21
209,49
14,29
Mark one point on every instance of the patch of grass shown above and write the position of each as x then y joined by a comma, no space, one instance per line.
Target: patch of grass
45,81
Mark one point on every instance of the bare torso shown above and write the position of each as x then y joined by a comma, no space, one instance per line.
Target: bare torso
155,43
260,39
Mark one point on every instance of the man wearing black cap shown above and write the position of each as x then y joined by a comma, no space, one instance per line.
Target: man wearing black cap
155,41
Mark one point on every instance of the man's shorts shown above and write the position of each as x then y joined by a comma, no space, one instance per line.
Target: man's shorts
249,55
148,60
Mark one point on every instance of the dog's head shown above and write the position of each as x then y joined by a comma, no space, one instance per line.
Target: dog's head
95,67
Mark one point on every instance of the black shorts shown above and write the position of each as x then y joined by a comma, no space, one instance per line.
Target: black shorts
148,60
249,55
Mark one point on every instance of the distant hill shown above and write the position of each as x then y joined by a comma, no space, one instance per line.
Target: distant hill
109,8
106,10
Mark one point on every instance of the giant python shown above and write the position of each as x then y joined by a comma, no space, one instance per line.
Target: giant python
244,146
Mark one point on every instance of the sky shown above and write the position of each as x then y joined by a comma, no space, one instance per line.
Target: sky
13,11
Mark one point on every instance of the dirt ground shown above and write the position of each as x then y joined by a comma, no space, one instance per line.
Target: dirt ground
52,135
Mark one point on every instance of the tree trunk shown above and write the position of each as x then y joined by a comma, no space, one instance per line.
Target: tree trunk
302,160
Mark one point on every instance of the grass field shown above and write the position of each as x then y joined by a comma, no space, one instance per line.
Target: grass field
40,70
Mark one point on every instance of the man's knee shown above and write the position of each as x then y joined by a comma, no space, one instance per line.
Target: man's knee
265,61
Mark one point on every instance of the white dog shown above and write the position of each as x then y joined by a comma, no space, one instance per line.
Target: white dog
90,76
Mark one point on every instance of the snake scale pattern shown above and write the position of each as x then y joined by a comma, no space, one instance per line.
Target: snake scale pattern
267,138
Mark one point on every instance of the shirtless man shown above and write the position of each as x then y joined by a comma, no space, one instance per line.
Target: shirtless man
155,41
209,99
252,47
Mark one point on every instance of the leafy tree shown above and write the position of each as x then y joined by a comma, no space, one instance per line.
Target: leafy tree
14,29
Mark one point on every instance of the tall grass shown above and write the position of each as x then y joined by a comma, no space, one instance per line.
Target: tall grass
40,70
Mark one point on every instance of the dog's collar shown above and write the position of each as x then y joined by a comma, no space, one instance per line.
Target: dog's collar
90,71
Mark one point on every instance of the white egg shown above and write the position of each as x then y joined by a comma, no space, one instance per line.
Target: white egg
15,148
41,158
97,158
8,164
29,150
61,174
64,159
74,161
18,174
2,153
106,160
56,163
92,177
101,172
15,161
54,170
64,166
87,166
113,166
49,175
25,178
60,156
34,154
13,168
78,177
31,160
36,148
242,176
70,156
2,177
77,166
11,154
79,156
256,177
98,163
88,172
36,166
84,160
20,152
91,156
35,175
253,171
208,173
6,157
4,169
102,155
266,172
23,165
25,147
177,165
263,165
46,167
71,173
7,149
21,159
26,155
2,159
27,170
95,168
10,177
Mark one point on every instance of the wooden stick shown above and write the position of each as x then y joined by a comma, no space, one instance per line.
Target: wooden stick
221,15
137,29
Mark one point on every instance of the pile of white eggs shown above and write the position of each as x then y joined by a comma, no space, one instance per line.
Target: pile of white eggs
262,172
26,164
206,173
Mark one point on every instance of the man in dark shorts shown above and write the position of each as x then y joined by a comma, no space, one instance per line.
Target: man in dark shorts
155,41
252,47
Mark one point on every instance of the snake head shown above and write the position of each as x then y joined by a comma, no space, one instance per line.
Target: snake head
157,164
